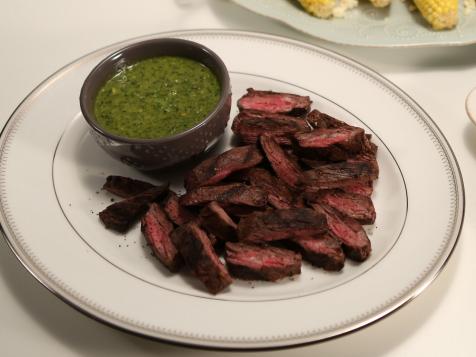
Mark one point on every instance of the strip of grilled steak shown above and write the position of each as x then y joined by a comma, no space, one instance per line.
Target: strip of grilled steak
281,224
215,169
364,188
323,251
235,193
125,186
299,200
157,228
369,147
355,243
121,215
274,102
321,120
371,161
240,211
175,211
333,144
368,153
313,163
358,207
249,126
339,174
278,194
252,262
284,167
216,221
199,256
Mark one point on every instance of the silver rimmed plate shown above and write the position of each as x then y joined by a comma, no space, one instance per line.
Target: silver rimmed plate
51,172
366,25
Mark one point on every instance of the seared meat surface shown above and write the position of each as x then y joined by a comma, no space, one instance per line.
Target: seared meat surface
157,228
274,102
121,215
125,186
215,169
281,224
249,126
200,257
253,262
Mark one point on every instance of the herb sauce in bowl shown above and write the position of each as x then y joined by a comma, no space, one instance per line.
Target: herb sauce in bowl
157,97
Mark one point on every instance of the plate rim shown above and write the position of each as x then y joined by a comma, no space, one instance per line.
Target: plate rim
231,345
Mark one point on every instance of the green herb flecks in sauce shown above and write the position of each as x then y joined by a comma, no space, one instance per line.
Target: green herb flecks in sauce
157,97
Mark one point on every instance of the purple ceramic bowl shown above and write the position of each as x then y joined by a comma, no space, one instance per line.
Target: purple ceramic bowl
152,154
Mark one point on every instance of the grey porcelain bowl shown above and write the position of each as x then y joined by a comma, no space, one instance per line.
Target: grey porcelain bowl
152,154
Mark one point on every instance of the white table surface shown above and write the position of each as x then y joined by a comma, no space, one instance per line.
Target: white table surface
39,37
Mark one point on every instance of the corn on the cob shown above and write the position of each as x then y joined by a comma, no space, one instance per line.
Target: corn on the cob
440,14
325,9
380,3
319,8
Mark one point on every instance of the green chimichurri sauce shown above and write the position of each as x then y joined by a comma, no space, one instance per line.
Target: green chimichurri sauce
157,97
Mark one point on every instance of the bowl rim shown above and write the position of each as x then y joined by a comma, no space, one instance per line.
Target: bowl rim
225,91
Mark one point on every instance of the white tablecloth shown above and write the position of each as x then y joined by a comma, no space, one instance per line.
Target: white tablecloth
39,37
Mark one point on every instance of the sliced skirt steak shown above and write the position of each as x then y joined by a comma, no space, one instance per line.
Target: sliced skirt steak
121,215
200,257
274,102
125,186
356,206
249,126
323,251
283,165
157,228
354,240
215,169
235,193
216,221
175,211
252,262
281,224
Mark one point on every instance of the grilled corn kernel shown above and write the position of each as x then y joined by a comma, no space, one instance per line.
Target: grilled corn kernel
440,14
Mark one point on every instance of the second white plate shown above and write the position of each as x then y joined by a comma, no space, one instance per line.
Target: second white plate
394,26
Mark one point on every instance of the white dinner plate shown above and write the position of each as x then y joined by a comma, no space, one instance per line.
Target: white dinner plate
51,172
368,26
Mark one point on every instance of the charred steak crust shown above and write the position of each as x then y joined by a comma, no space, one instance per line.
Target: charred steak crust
252,262
285,168
334,144
249,126
175,211
323,251
356,206
235,193
274,102
216,221
125,186
278,194
215,169
281,224
339,174
321,120
121,215
157,228
239,211
364,188
200,257
355,243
